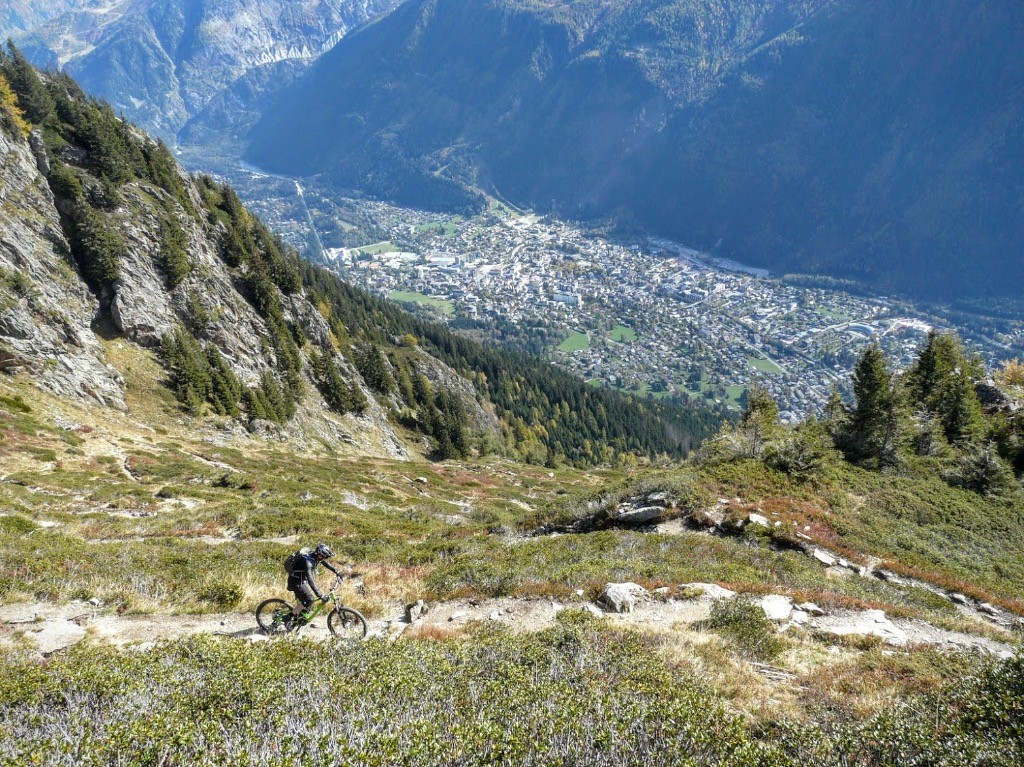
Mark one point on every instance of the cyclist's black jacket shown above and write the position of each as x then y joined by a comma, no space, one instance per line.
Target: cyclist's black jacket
303,572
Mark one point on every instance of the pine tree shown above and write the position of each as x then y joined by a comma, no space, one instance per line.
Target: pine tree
225,388
942,382
874,425
959,409
340,396
98,249
189,369
374,369
759,419
173,251
33,97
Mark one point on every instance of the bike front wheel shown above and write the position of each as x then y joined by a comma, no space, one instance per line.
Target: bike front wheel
274,616
348,624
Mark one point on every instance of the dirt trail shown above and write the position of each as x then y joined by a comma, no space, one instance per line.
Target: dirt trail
48,628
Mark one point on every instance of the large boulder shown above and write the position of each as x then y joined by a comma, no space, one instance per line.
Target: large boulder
776,607
56,634
637,514
622,597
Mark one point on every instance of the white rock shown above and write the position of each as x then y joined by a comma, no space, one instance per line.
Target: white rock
757,519
824,557
799,617
811,609
865,623
456,617
415,611
776,607
622,597
628,514
710,590
495,615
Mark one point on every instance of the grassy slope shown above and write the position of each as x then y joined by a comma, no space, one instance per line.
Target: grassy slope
150,519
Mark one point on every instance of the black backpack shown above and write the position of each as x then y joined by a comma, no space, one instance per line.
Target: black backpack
292,560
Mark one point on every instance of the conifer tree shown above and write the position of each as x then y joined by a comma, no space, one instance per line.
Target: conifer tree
173,251
374,369
959,409
760,416
33,97
874,425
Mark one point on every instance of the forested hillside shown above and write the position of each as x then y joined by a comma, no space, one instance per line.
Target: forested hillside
248,331
865,141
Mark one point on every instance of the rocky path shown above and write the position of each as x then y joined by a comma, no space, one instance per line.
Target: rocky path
48,628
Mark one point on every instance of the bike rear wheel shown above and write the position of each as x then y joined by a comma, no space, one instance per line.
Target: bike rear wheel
348,624
274,616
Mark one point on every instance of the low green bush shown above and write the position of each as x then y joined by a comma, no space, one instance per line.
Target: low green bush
577,693
222,594
744,624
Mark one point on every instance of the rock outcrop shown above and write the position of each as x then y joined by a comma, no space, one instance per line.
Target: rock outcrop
46,311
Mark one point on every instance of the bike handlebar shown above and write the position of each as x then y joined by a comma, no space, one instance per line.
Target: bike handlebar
339,577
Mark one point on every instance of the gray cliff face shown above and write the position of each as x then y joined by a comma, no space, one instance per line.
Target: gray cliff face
162,61
46,311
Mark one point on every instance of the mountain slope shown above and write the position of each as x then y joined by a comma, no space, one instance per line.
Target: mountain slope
106,232
21,16
161,63
864,141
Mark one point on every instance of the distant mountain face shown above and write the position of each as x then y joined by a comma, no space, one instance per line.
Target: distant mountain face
20,16
163,61
879,142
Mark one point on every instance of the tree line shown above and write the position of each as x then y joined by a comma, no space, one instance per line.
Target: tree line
934,411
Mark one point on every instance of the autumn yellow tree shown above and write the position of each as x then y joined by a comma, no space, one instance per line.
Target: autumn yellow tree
11,110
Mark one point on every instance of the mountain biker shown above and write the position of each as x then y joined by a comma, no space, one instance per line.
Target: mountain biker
302,579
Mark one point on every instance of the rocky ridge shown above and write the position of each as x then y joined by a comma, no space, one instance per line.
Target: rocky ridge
49,316
46,311
162,63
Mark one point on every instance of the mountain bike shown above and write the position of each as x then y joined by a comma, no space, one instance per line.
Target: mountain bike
274,616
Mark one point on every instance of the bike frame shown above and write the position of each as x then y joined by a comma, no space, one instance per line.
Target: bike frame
319,606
